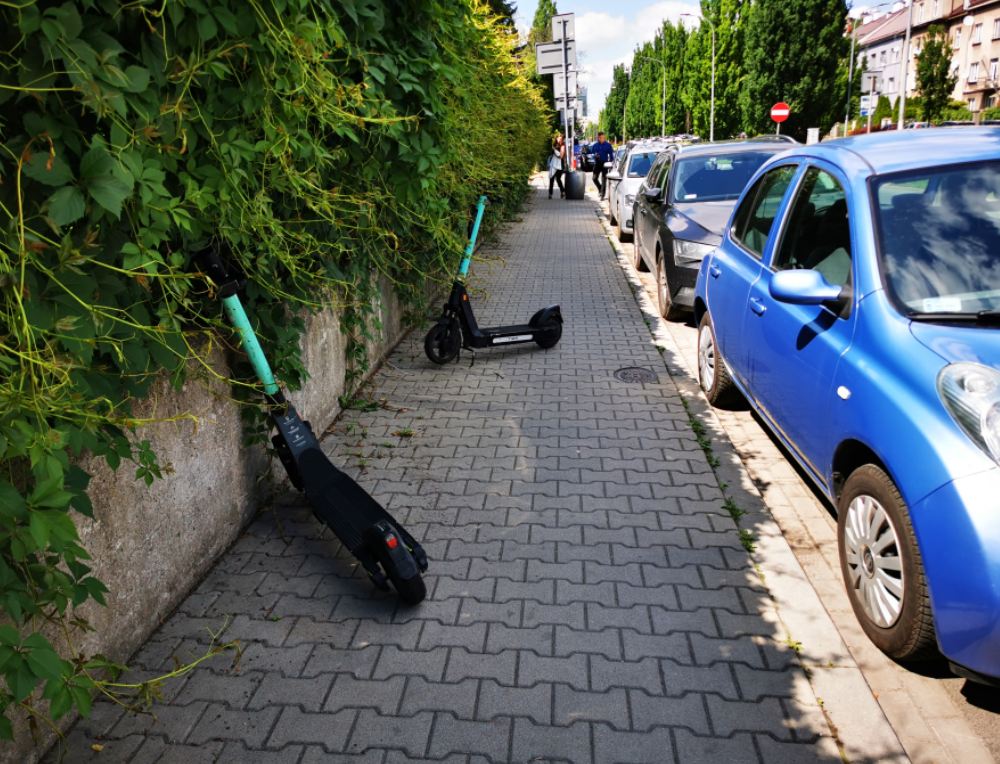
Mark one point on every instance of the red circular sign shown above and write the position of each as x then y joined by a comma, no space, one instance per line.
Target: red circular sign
780,111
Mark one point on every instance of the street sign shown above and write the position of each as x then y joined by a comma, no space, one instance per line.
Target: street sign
866,105
559,84
780,112
561,102
549,56
557,26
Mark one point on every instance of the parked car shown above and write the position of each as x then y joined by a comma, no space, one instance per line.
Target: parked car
614,174
586,158
681,208
855,302
625,177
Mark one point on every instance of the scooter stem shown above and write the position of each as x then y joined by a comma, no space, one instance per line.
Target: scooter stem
238,318
463,269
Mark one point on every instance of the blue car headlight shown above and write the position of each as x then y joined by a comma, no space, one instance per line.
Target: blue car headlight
971,393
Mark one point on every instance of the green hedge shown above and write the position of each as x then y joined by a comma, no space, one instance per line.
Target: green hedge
325,142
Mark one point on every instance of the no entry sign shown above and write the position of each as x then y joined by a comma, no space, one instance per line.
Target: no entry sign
780,112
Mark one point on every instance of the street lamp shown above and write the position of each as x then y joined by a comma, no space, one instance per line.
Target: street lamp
711,124
663,98
905,65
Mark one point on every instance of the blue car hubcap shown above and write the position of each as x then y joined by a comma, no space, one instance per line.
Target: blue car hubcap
876,572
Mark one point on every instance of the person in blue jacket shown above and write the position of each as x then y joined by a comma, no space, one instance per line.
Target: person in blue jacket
603,152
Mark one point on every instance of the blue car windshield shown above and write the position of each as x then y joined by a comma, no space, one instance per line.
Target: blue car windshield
639,164
717,177
939,238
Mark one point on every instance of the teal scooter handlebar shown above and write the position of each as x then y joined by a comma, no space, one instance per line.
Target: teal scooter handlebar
463,269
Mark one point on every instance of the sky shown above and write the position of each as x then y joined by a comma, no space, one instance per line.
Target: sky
608,31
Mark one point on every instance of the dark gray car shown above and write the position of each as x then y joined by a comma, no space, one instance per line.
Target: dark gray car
682,208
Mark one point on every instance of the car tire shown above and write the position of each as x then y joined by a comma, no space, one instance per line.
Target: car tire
623,236
713,376
887,587
665,296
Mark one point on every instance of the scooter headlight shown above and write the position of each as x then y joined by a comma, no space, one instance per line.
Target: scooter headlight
971,393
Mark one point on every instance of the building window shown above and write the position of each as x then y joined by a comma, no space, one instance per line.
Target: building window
958,38
977,34
881,58
996,29
991,102
994,68
891,87
974,71
936,8
920,13
972,104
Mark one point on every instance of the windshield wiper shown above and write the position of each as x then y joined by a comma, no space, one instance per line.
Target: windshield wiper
983,317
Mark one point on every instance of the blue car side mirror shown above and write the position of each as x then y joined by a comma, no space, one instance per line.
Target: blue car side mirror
805,287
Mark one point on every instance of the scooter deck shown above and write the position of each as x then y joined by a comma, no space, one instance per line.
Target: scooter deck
343,505
499,331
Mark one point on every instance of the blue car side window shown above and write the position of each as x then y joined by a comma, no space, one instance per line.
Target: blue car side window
755,216
818,233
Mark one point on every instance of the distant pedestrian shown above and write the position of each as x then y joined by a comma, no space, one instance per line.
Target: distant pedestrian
603,152
557,162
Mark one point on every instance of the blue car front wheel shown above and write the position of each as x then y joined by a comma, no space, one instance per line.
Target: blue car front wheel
882,567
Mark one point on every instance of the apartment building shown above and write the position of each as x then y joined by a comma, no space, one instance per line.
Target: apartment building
973,27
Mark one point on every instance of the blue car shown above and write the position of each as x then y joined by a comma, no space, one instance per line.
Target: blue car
855,303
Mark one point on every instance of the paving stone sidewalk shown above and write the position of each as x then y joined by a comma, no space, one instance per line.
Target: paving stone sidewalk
589,597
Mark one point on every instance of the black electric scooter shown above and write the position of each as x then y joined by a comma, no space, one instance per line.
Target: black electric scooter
373,536
457,327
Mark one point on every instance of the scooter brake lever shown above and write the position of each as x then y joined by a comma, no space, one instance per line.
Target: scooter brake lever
216,267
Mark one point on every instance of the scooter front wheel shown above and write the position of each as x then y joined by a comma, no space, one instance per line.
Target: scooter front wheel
443,341
549,333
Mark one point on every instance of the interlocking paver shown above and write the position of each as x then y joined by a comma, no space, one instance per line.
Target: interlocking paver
589,598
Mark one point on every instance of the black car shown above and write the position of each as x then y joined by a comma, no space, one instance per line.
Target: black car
682,208
586,157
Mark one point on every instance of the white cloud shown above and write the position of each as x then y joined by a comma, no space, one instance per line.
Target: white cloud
604,40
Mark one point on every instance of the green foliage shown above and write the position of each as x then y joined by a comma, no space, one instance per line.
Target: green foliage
325,144
793,51
884,109
991,113
610,119
935,81
758,61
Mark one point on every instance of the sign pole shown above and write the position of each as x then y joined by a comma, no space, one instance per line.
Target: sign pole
566,122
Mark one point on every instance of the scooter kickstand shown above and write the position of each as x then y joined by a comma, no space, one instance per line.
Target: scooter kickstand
472,352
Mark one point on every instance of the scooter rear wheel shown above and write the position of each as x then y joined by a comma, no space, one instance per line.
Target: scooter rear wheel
549,333
443,341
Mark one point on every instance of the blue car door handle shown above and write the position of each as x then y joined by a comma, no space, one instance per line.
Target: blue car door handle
714,271
757,306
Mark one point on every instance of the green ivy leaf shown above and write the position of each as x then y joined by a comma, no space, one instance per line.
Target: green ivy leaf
49,170
138,79
66,205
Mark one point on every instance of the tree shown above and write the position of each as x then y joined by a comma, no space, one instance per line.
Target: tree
504,10
728,17
793,49
611,115
883,110
935,82
541,31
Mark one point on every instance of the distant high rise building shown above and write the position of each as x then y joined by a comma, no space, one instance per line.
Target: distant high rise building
583,101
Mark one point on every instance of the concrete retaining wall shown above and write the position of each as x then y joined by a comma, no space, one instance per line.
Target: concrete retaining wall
151,545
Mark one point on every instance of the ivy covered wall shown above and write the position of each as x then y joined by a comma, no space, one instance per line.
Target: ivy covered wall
328,144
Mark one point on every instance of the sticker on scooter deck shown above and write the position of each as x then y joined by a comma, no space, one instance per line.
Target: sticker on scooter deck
515,338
